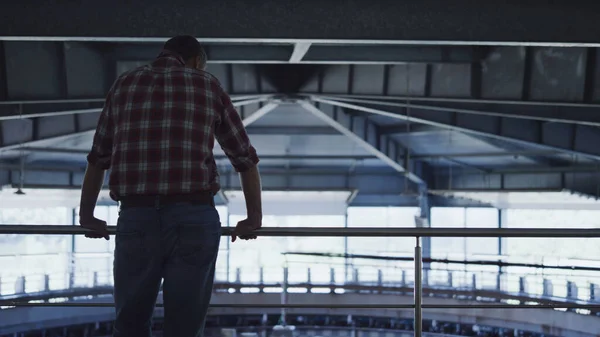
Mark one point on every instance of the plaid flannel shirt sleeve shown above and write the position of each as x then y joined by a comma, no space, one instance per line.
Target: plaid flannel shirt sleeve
101,152
233,138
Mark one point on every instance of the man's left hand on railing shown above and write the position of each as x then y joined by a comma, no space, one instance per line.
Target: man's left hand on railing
245,227
98,227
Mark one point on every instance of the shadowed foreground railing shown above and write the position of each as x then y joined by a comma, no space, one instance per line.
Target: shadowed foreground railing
418,233
301,331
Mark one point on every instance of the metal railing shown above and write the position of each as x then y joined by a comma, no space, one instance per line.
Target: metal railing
464,284
309,274
418,233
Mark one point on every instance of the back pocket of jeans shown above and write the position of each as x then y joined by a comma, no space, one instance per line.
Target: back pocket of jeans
198,244
130,252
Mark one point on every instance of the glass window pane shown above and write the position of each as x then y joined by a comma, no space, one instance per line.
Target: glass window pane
448,248
553,251
33,255
367,267
267,252
481,218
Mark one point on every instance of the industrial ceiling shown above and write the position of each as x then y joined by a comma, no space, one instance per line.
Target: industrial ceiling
388,101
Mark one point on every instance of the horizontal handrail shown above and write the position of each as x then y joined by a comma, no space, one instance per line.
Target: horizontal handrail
348,232
324,306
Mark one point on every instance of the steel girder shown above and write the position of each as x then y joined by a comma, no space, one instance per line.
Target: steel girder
552,84
375,187
578,140
48,108
587,183
393,21
297,52
43,131
366,134
381,187
584,114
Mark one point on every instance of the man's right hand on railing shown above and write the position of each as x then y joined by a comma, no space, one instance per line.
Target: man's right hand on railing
245,227
98,227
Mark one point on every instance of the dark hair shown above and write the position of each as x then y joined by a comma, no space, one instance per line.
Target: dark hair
186,46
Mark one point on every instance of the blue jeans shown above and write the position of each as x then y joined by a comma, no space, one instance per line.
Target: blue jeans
178,243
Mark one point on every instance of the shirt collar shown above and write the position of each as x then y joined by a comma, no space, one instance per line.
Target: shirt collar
167,58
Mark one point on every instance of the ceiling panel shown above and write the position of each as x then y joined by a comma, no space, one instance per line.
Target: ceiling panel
289,115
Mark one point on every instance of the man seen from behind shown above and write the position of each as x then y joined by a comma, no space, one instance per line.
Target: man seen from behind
156,134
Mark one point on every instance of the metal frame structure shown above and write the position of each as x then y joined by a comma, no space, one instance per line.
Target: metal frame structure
418,233
401,100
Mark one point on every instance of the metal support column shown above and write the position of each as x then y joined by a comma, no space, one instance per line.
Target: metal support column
228,250
418,289
502,218
424,221
284,294
71,253
346,260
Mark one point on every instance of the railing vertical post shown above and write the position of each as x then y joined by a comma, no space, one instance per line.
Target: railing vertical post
418,288
522,285
96,279
547,288
284,293
593,291
572,290
46,282
238,275
261,286
332,279
499,281
20,285
72,279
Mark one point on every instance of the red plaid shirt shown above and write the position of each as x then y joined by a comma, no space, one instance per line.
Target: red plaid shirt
157,129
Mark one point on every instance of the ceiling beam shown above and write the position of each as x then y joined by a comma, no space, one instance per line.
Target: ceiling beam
376,182
407,128
462,180
48,131
503,23
300,50
365,134
463,101
547,159
558,114
306,53
287,130
19,110
568,139
101,100
525,153
261,112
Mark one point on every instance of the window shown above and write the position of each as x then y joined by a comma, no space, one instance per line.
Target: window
33,255
267,252
460,248
553,251
367,269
